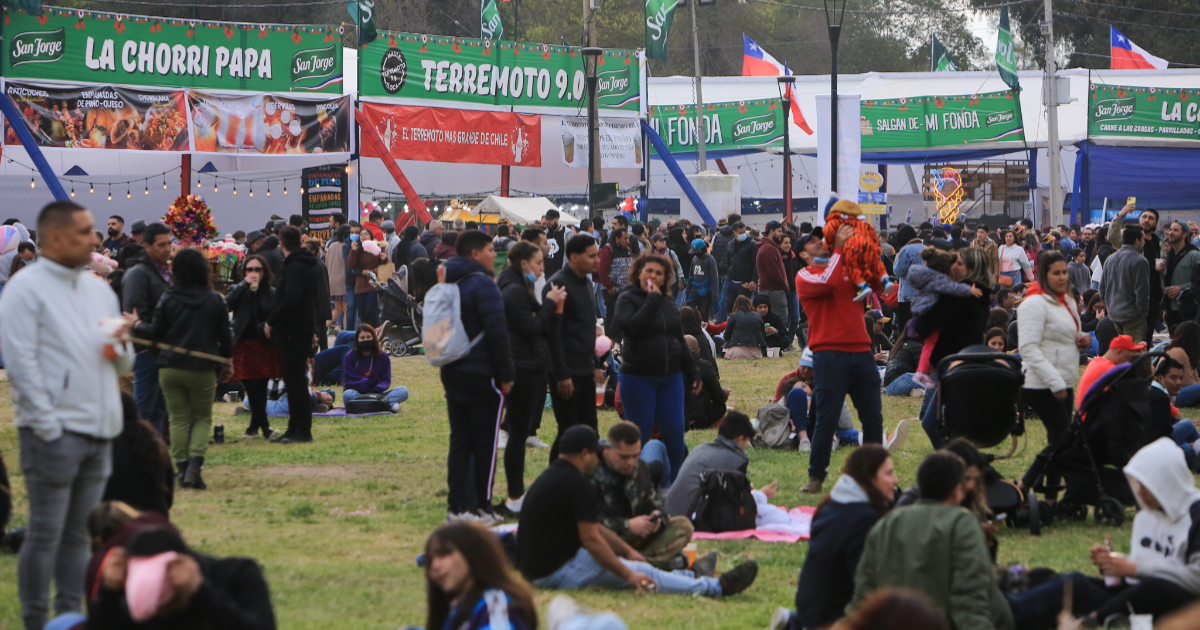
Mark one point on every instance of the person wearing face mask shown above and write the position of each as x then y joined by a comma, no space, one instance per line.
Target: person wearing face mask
743,269
255,358
366,370
529,326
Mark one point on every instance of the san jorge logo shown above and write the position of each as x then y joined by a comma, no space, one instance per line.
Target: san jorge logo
1001,118
613,84
317,63
393,70
36,47
753,128
1115,109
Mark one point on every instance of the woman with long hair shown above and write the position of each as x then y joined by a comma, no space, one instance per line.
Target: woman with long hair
190,318
744,331
367,370
141,466
337,274
862,495
656,364
791,266
1014,262
469,583
255,358
1091,316
1185,348
530,326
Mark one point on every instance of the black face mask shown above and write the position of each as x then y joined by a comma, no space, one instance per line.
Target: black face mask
366,347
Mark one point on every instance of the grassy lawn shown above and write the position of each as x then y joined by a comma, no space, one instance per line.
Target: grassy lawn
284,506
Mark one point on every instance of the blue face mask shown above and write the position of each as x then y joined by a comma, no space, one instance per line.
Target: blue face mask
353,237
743,236
531,278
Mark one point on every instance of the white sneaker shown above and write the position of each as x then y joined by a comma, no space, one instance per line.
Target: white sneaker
897,439
916,392
561,609
502,441
805,445
487,518
396,408
275,434
514,505
469,517
781,619
535,442
860,438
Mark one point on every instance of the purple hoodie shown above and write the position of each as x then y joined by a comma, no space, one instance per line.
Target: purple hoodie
366,375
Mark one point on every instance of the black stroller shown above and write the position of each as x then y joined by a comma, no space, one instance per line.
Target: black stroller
401,314
1115,419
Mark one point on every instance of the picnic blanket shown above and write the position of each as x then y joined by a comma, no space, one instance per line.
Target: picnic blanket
334,413
797,528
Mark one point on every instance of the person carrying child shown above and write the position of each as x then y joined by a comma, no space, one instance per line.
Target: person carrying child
932,281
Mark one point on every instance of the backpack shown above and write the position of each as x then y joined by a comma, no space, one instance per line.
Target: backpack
774,427
442,333
724,503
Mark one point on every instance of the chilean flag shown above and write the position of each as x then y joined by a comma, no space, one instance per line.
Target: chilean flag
1127,55
756,62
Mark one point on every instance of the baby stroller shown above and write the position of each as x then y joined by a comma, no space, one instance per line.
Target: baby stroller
1113,421
401,330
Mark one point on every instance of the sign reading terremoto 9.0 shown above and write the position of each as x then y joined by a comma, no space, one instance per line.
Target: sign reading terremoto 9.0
94,47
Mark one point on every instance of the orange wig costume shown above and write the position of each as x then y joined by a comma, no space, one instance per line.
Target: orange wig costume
862,254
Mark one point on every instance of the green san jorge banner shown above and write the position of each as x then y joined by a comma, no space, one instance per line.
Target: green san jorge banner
1143,112
732,126
502,74
939,121
110,48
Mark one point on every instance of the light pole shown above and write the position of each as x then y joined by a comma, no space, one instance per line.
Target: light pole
785,93
591,53
833,20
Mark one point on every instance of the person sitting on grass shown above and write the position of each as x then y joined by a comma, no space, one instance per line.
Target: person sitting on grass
561,545
277,401
860,497
744,331
727,452
975,500
901,365
367,370
469,584
630,505
706,408
773,331
142,476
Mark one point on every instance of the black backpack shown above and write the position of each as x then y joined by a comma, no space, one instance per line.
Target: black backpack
724,503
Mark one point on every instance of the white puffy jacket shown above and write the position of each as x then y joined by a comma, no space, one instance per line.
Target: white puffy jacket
1047,332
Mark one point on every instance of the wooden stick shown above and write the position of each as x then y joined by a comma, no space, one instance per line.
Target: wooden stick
191,353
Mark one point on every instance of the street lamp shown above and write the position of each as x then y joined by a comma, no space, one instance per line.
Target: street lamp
834,18
785,93
593,131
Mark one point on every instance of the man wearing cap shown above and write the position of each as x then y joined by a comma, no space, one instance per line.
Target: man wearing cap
772,276
704,280
842,359
557,237
389,235
563,546
136,232
1121,350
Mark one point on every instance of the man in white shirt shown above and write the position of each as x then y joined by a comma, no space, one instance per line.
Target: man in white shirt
63,366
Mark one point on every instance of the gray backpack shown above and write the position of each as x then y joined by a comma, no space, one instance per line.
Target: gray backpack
442,333
774,427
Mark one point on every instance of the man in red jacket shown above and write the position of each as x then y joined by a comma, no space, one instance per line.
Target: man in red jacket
842,359
772,276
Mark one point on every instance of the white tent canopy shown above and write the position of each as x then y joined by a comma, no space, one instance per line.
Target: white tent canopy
522,210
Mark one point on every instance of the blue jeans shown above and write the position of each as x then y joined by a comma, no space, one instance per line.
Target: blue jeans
350,320
656,451
395,395
150,402
599,289
367,307
280,407
657,400
837,374
327,365
797,404
793,320
902,386
1184,433
583,571
1039,607
1189,396
929,416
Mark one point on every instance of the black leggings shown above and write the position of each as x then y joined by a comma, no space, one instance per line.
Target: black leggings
256,393
1150,596
1055,415
525,402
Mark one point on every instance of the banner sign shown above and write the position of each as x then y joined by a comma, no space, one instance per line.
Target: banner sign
433,134
489,20
659,15
496,75
620,142
325,192
269,124
732,126
938,121
109,48
1143,112
100,117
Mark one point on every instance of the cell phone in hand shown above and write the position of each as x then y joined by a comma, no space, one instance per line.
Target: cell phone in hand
1132,201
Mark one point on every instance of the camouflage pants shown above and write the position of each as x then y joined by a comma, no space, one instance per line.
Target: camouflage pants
666,543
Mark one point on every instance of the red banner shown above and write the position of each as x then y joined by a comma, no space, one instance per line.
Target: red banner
460,136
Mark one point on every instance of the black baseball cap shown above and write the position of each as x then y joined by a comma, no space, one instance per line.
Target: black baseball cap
139,226
578,439
801,240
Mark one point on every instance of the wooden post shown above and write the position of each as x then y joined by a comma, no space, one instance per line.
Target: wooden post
185,175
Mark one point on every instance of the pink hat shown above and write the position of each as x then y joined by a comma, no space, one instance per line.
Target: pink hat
146,585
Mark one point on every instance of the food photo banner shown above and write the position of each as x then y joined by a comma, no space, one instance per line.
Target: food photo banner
100,117
620,142
938,121
434,134
1143,112
269,124
732,126
93,47
496,75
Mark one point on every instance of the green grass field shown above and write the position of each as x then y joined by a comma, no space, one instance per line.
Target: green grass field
281,505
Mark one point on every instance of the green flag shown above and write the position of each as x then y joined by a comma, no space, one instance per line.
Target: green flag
659,14
1005,61
363,14
489,20
940,60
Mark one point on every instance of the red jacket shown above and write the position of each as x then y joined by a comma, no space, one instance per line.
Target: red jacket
835,320
771,274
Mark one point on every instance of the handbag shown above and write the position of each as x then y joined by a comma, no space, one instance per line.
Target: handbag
368,403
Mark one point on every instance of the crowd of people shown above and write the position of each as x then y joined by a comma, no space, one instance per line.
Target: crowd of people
639,316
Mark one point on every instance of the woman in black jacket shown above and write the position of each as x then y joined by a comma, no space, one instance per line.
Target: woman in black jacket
529,324
656,365
141,467
255,358
190,318
744,331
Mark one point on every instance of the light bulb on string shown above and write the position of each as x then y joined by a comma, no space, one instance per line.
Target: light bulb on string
31,183
91,189
285,188
127,194
197,181
268,189
165,181
72,191
235,189
147,188
214,184
110,193
252,192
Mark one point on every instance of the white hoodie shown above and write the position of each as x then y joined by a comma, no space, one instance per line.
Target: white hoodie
1166,542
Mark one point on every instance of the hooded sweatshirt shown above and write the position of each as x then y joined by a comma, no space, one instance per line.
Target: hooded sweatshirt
1166,542
929,285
